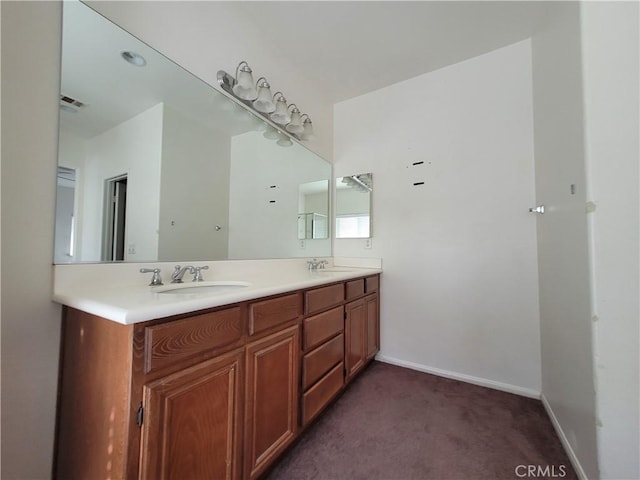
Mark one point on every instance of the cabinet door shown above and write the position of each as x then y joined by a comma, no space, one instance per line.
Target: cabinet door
192,421
373,326
271,398
355,324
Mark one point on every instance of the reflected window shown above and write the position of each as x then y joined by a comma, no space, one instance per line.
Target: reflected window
353,206
352,226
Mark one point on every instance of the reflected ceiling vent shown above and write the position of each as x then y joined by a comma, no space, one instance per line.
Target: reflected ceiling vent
71,105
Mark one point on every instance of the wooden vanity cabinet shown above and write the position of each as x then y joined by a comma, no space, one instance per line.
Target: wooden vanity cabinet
272,398
159,399
219,393
272,380
355,334
322,361
192,426
362,328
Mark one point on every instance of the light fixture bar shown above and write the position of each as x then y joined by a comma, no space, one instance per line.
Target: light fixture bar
292,126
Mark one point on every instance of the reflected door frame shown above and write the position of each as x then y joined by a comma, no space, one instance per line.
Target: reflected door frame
114,219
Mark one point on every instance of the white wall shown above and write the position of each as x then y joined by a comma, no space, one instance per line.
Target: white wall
460,285
30,321
263,220
565,316
133,148
194,194
610,66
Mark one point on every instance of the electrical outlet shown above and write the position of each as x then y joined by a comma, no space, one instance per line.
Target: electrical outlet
131,249
302,244
367,243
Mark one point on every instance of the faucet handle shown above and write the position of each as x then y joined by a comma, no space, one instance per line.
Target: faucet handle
155,279
197,274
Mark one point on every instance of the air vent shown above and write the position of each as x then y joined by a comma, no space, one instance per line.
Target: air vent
71,101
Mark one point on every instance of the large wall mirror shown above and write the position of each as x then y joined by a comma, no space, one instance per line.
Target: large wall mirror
156,165
353,206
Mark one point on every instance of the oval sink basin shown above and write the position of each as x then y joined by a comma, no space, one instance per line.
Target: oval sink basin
204,288
335,270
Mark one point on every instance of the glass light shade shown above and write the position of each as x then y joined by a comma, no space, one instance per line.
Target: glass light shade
295,126
271,134
281,114
244,87
284,141
264,102
307,133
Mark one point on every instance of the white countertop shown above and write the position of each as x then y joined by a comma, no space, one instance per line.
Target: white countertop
120,293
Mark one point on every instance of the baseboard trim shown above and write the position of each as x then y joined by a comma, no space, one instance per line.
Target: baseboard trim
483,382
563,439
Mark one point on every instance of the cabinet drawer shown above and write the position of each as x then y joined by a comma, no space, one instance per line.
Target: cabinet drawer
172,342
322,392
272,312
371,284
355,288
318,362
322,326
322,298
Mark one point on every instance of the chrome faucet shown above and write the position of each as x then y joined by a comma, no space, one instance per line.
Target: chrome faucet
197,273
178,273
155,279
316,264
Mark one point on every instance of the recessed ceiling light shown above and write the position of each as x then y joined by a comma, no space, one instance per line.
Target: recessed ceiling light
133,58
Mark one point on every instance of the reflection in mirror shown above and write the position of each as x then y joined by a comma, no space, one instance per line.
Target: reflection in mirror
164,167
353,206
313,208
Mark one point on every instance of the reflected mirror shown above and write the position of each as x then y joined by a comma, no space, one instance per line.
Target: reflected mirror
156,165
313,205
353,206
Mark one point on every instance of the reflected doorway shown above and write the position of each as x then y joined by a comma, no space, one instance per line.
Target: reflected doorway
115,215
65,218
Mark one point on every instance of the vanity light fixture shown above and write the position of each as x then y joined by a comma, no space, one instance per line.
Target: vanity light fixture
295,125
287,119
244,87
264,102
284,141
133,58
281,114
271,133
361,183
307,134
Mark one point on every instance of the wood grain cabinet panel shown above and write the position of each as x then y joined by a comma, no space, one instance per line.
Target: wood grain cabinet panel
93,410
354,327
192,423
321,327
354,288
271,404
319,361
372,284
317,397
171,342
323,298
275,311
372,326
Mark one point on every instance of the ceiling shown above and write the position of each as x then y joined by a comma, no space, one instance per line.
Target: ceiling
354,47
